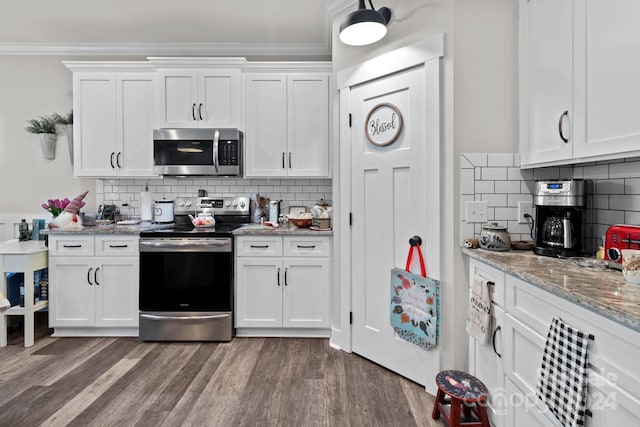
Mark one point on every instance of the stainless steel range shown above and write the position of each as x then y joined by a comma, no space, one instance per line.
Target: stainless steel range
186,273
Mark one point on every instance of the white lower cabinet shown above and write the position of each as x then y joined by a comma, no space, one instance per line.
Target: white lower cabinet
614,380
93,295
278,294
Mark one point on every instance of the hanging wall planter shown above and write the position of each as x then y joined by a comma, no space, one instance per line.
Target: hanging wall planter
48,143
69,131
66,125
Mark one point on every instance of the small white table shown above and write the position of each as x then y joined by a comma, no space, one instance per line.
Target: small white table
22,257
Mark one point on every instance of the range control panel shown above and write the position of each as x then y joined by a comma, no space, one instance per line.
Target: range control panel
215,205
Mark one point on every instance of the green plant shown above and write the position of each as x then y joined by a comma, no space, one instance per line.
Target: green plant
66,120
43,124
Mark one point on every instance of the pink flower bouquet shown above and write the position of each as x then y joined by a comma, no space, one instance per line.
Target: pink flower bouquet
56,206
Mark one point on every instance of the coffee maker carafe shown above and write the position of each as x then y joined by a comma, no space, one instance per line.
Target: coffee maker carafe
561,208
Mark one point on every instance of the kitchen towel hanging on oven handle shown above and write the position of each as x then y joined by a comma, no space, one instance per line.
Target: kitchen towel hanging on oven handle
415,302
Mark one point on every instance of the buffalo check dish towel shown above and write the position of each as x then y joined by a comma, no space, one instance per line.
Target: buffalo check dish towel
562,383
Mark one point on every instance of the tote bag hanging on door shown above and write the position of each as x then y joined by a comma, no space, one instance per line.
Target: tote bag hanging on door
415,303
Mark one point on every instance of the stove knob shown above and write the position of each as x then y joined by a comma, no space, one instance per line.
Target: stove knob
187,203
227,203
181,203
242,205
235,203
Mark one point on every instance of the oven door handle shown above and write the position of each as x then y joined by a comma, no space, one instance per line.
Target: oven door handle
200,244
213,316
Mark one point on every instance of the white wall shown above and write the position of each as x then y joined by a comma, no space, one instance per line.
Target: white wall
31,86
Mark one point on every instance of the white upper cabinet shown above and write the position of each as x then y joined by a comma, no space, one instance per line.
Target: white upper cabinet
113,121
578,81
287,124
199,98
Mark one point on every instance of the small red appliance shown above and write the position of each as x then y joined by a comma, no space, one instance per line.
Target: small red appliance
618,237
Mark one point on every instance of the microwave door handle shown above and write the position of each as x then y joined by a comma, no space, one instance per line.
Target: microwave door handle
216,137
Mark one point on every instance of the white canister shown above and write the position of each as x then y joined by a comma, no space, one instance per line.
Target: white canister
146,206
163,211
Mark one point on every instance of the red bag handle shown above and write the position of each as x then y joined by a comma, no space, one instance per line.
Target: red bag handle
415,242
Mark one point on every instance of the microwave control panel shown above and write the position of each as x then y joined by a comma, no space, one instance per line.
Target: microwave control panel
229,153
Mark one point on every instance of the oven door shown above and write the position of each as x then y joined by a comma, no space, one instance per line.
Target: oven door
186,274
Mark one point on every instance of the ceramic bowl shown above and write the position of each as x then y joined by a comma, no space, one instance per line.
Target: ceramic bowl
301,222
631,265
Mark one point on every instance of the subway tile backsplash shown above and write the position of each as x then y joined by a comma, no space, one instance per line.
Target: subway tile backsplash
498,179
292,191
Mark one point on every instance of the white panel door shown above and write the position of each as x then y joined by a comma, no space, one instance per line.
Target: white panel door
116,287
607,66
266,124
94,104
308,124
178,94
219,98
395,196
71,291
258,299
545,80
135,98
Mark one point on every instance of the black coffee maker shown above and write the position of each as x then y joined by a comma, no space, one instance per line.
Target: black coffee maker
561,213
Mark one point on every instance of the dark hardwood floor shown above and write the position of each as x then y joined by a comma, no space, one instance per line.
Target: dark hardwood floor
247,382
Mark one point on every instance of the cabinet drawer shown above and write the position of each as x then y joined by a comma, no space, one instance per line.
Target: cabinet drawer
259,246
76,245
117,245
304,246
497,277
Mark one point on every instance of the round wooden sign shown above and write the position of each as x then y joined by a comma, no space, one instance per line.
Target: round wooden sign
383,124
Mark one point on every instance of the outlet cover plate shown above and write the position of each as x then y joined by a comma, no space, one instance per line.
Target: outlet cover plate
477,211
524,208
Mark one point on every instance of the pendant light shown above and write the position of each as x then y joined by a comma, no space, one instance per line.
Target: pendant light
365,26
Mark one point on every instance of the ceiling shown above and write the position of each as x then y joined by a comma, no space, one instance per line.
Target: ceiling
167,27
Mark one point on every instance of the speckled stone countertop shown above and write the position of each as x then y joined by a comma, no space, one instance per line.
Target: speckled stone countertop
605,292
259,229
112,229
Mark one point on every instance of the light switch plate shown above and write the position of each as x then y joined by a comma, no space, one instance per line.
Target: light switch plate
477,211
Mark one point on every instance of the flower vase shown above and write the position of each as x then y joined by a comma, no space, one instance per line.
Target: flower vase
48,144
69,131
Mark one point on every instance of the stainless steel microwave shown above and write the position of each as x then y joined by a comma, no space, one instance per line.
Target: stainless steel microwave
198,151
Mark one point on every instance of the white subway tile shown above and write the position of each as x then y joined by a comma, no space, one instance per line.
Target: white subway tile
596,172
505,214
516,174
465,163
476,159
601,201
484,187
466,181
513,199
625,170
500,159
494,173
609,186
507,187
624,202
632,217
610,217
546,173
495,199
632,185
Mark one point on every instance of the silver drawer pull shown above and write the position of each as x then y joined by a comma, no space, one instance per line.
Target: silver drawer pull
306,246
71,246
118,246
259,246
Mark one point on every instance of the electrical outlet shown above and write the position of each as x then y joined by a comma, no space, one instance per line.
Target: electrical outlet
524,208
477,211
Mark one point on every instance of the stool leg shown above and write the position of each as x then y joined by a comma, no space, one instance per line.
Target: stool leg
454,419
435,414
482,413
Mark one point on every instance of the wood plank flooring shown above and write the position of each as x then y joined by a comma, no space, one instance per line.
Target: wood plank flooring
247,382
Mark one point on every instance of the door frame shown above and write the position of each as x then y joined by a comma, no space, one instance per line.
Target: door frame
406,57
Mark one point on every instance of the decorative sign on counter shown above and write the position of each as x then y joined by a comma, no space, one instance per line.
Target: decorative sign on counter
383,124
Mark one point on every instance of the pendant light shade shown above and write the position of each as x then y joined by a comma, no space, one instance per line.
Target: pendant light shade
365,26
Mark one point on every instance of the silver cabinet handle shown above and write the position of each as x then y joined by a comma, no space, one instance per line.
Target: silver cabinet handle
95,276
89,276
278,276
562,116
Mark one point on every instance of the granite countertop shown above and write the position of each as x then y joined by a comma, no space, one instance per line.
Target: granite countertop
112,229
605,292
260,229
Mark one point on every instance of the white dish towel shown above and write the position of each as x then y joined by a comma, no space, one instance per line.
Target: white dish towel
479,314
562,383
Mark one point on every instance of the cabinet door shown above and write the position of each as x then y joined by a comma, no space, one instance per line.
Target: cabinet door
606,77
134,100
522,354
218,101
116,287
610,404
259,292
485,362
308,124
266,124
545,80
177,103
522,412
94,129
305,299
71,291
